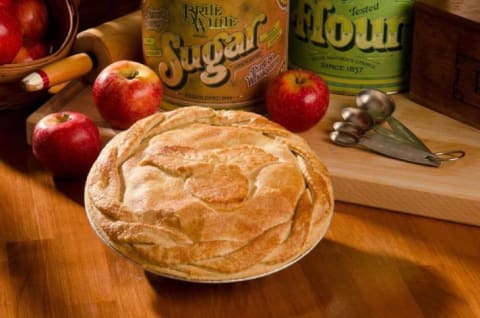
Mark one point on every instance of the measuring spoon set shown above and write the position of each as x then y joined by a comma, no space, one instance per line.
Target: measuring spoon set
363,125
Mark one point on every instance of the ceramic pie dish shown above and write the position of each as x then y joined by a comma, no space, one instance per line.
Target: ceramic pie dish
207,195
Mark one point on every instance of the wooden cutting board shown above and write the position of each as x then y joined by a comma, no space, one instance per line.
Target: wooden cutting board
450,192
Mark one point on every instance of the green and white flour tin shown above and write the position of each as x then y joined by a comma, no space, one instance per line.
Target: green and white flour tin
353,44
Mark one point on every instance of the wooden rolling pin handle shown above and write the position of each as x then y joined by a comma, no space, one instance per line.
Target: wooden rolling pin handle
96,48
61,71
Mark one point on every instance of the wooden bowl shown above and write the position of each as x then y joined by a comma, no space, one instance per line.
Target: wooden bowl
63,27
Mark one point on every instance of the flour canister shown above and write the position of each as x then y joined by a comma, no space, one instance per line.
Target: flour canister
215,53
353,44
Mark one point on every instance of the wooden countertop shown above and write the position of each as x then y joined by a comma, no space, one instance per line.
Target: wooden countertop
372,263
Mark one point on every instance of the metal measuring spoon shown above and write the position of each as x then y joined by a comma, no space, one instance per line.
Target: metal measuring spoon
378,104
349,128
385,146
358,117
362,119
381,107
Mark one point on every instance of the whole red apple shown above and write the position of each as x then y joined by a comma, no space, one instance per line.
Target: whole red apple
10,36
30,52
126,91
297,99
66,143
33,17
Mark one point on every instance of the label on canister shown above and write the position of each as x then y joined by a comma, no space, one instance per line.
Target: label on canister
353,44
218,53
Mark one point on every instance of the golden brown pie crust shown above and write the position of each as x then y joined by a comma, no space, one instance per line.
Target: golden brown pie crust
209,195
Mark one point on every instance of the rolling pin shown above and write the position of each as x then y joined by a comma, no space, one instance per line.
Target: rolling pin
93,49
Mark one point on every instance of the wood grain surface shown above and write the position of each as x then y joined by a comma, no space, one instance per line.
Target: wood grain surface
93,13
445,59
371,263
449,192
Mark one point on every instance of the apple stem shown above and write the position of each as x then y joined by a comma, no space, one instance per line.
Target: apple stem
64,117
132,75
300,80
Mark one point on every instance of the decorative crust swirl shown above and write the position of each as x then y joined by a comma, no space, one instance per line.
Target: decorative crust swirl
206,195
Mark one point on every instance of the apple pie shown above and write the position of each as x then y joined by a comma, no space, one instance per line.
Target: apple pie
209,195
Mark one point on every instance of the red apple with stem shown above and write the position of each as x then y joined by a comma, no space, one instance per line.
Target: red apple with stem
10,36
33,17
66,143
297,99
126,91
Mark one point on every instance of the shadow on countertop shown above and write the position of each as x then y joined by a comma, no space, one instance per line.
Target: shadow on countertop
334,280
